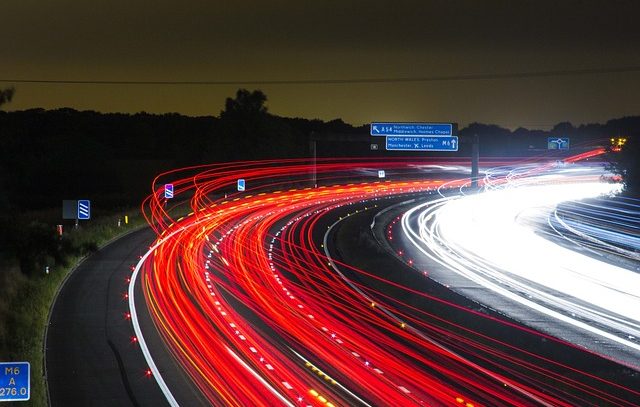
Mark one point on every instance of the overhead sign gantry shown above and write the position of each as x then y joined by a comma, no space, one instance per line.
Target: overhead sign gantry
417,136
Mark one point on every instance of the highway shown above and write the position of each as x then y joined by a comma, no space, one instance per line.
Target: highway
475,330
496,247
286,294
246,297
91,356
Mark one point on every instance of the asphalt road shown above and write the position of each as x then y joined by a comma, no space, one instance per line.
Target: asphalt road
91,359
523,314
364,254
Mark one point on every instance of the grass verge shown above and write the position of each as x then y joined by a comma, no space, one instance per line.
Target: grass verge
25,302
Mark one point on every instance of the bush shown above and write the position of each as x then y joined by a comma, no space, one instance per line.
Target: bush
26,292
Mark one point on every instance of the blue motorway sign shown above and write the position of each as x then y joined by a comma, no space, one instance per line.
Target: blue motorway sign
558,143
412,129
422,143
15,381
84,209
168,191
241,185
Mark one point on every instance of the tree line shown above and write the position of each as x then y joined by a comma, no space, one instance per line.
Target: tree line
111,158
50,155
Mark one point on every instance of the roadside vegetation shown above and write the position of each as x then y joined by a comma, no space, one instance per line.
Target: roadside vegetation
27,291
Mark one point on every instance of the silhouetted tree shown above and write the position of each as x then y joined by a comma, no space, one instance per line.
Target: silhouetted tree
563,129
6,95
245,105
248,131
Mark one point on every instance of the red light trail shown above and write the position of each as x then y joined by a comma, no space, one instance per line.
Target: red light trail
246,299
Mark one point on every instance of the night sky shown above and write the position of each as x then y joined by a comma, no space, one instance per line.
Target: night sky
208,40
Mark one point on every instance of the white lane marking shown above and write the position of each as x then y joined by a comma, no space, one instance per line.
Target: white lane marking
136,328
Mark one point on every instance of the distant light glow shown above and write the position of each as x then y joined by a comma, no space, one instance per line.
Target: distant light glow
490,239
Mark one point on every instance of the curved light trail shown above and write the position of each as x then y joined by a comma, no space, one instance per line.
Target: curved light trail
247,301
497,240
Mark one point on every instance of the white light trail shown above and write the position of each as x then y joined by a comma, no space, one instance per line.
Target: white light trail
489,238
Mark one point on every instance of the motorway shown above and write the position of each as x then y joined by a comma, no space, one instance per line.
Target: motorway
509,249
292,295
88,335
490,332
91,357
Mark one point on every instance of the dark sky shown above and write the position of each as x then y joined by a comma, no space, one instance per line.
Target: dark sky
209,40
